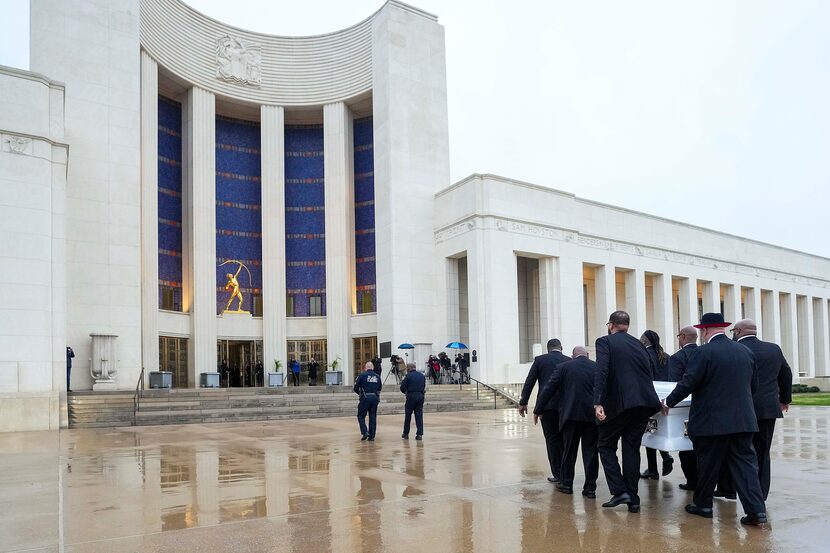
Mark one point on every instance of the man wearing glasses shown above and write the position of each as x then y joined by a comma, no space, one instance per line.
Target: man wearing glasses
687,340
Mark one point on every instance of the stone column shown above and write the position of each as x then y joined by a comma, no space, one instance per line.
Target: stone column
789,335
822,336
606,295
752,302
199,152
453,298
272,127
339,190
688,302
635,300
663,312
549,300
149,215
804,333
711,297
771,314
571,328
732,303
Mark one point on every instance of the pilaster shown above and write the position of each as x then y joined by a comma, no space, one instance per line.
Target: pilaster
272,127
339,191
149,215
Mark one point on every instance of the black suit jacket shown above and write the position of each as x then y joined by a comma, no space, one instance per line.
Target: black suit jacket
624,375
722,378
775,378
541,371
678,361
573,381
661,370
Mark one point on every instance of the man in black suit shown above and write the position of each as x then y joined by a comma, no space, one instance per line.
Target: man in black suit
773,396
624,399
541,371
687,340
721,376
574,382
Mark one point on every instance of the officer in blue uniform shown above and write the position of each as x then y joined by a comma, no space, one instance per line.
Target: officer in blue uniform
414,386
368,386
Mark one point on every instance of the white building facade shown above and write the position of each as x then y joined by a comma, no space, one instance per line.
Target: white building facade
152,151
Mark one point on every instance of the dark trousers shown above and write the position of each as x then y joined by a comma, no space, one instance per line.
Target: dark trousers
651,459
688,462
628,426
68,378
735,452
553,441
312,378
414,404
762,441
574,432
296,377
368,405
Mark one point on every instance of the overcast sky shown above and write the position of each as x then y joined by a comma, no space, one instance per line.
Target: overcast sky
713,112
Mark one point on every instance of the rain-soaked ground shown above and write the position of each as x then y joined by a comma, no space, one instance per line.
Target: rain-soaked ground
475,484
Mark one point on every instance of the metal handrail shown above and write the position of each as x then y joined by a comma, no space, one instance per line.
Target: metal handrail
496,392
139,387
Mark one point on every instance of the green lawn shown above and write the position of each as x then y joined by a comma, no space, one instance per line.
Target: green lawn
811,399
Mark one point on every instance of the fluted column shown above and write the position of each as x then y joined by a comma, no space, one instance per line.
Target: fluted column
149,214
339,191
635,300
199,147
663,311
273,234
605,288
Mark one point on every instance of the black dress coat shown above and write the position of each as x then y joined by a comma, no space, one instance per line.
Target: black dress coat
775,378
678,361
661,370
722,378
573,381
540,371
624,375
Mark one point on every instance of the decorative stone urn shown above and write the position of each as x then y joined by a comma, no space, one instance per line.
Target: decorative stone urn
103,365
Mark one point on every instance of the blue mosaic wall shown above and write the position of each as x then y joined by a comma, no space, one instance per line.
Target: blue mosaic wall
364,216
305,223
238,208
170,199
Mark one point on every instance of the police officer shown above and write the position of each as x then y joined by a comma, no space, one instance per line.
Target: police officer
368,386
414,386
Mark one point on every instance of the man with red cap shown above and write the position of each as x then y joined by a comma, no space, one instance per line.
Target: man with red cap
721,376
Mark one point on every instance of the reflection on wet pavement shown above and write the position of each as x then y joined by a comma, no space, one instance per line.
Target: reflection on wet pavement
476,484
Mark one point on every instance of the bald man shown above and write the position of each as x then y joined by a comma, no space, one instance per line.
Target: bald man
773,396
687,340
573,381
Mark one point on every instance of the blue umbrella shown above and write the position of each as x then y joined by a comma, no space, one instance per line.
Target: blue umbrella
406,346
456,345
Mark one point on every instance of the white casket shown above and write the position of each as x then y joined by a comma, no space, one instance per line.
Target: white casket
669,433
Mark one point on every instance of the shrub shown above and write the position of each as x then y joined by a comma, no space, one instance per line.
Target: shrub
804,389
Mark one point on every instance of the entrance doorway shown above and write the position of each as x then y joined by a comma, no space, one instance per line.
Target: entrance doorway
173,358
304,351
240,363
365,349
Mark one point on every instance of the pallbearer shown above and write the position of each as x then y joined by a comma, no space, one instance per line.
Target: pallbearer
721,377
687,340
574,382
660,364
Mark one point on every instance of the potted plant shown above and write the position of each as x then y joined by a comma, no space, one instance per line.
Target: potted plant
334,377
276,378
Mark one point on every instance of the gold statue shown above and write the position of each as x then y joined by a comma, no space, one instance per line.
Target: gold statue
233,286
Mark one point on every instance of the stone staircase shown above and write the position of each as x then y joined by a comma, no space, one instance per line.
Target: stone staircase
186,406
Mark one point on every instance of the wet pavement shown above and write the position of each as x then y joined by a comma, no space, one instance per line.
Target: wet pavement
475,484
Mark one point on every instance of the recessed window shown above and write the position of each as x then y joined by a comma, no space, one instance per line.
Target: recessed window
289,306
315,306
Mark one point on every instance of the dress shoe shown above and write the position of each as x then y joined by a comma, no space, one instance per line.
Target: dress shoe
688,487
756,519
649,475
725,495
633,507
619,499
419,438
405,436
371,439
705,512
590,494
364,437
564,489
553,480
668,466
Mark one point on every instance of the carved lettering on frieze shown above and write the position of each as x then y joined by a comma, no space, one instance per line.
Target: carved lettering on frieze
624,248
455,230
536,230
238,61
594,242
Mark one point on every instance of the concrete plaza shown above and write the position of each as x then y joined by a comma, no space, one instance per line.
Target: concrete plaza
476,483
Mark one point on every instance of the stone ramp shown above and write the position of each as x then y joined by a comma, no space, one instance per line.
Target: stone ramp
183,406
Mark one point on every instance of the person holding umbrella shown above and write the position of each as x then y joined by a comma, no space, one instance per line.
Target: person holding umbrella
460,361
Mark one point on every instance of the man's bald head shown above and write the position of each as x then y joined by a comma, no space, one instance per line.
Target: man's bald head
687,335
579,351
744,327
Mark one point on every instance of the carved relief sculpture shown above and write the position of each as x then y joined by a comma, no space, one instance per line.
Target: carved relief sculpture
17,144
238,61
